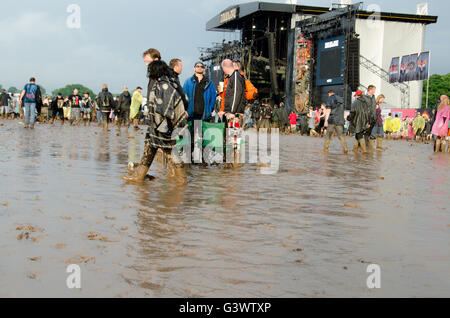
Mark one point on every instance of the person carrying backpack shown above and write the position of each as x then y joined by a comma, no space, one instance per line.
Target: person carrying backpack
334,120
30,96
105,102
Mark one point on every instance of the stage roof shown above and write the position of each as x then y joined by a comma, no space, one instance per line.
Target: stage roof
230,18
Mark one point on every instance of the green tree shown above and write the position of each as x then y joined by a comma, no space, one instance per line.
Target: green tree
68,90
439,85
13,90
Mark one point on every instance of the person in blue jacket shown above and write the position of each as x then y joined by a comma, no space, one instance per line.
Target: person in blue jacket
201,94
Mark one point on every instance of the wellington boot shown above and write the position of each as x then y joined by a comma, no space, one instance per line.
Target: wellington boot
437,146
344,145
176,172
356,147
371,145
443,144
380,144
327,145
138,176
362,143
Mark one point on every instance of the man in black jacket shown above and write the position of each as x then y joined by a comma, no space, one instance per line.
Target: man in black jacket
371,103
359,121
57,108
123,108
235,91
334,120
176,66
105,101
4,101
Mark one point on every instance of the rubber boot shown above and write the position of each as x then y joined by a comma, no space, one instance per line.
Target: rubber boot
362,143
443,144
356,146
176,172
371,145
138,176
344,145
105,127
437,146
327,145
380,144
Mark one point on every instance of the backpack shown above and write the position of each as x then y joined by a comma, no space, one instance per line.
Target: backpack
250,90
105,100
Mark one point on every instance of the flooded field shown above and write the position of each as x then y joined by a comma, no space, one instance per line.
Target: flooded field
309,230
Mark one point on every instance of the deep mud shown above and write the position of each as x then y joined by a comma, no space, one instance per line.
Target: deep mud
309,230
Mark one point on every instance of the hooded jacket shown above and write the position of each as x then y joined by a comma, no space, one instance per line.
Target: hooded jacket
105,97
360,116
4,98
372,106
124,101
209,97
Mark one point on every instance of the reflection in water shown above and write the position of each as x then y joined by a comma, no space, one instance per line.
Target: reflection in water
308,230
103,149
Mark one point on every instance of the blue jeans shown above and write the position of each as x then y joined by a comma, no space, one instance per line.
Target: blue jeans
99,117
377,132
30,109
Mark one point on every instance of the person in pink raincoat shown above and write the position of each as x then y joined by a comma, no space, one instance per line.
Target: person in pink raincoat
440,127
410,129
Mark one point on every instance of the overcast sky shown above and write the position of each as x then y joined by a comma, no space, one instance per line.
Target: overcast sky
107,48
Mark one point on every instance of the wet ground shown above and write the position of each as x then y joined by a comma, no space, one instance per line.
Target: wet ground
309,230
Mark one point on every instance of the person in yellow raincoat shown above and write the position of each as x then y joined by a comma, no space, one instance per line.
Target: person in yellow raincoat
136,101
418,125
396,125
388,126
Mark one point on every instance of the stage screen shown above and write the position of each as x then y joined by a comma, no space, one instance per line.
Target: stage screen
330,61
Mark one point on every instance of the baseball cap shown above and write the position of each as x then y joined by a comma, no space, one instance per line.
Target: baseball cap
358,93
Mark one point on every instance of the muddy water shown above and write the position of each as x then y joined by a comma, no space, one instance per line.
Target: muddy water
309,230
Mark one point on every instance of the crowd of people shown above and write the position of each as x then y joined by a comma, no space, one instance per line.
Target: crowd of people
170,106
77,108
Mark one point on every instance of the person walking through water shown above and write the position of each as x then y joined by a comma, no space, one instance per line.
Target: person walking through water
4,102
360,117
371,103
166,114
105,101
30,95
334,120
378,129
136,102
440,127
124,109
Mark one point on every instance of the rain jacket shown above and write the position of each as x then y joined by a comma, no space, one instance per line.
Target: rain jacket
418,124
136,102
360,116
388,124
